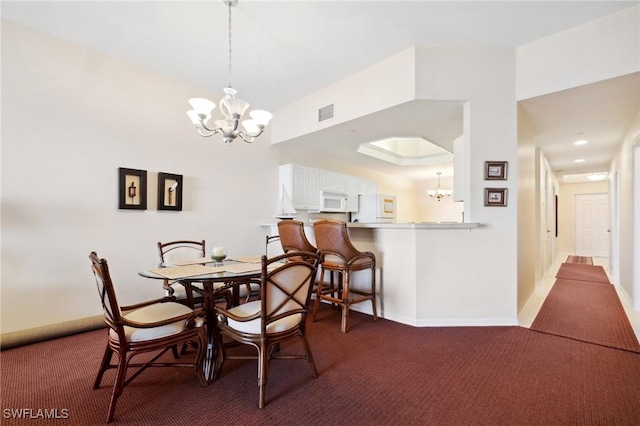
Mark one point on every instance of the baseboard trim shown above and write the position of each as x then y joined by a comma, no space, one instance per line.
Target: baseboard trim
48,332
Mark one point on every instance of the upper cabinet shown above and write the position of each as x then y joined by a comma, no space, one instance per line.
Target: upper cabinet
352,184
333,182
292,180
303,184
367,187
311,188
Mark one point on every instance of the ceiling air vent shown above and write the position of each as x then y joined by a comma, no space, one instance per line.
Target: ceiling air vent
325,113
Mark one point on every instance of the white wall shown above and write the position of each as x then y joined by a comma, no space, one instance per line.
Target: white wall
388,83
622,165
527,212
595,51
70,119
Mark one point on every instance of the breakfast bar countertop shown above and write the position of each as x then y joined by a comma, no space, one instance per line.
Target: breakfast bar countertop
415,225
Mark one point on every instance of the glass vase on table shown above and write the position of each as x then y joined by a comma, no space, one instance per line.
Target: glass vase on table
218,254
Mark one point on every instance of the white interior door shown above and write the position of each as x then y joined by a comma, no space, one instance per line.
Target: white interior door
592,225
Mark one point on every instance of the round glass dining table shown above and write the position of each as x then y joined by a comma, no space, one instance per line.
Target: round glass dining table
233,280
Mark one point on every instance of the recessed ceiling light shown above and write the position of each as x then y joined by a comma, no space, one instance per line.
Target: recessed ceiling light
579,160
581,142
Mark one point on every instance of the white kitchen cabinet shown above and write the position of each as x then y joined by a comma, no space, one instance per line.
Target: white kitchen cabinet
339,182
352,193
367,187
293,180
331,181
303,185
312,193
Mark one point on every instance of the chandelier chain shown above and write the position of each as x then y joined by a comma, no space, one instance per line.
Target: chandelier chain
230,28
232,108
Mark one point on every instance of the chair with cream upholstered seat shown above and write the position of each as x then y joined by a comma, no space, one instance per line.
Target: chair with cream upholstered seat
339,256
154,326
173,252
279,315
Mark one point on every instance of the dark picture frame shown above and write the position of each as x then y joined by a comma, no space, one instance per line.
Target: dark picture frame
169,191
132,189
495,197
495,170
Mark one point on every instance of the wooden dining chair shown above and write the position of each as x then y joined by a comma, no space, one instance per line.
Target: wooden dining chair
180,250
279,315
154,326
339,256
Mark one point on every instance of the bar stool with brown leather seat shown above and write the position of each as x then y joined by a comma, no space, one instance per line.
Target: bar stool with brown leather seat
339,256
292,236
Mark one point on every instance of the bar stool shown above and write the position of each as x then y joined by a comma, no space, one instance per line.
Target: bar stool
292,236
339,256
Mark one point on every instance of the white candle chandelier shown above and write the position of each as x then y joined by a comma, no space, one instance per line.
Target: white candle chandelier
232,108
439,193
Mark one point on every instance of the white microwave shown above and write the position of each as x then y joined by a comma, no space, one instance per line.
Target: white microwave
333,202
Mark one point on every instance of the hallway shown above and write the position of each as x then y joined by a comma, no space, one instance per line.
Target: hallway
529,312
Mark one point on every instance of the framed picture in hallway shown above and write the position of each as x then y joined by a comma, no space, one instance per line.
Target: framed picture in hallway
495,197
495,170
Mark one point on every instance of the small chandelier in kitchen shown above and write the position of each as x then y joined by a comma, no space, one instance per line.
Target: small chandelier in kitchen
232,108
439,193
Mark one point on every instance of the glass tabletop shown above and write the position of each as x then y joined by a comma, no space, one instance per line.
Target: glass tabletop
229,271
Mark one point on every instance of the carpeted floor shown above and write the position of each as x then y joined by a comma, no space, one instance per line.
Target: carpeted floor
381,373
584,260
586,311
574,271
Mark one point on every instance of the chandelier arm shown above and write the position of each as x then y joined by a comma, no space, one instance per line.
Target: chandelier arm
212,131
247,137
206,135
204,126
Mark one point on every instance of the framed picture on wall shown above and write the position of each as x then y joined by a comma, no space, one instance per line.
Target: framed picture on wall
169,191
132,189
495,170
495,197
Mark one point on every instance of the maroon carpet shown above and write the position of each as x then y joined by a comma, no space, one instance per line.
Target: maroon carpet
381,373
584,260
586,311
580,272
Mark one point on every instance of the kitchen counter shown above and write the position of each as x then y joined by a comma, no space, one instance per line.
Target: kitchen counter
431,274
407,225
415,225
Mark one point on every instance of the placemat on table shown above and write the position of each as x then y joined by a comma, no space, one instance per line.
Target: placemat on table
175,272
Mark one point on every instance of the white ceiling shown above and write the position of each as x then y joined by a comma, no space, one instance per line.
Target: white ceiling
300,47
